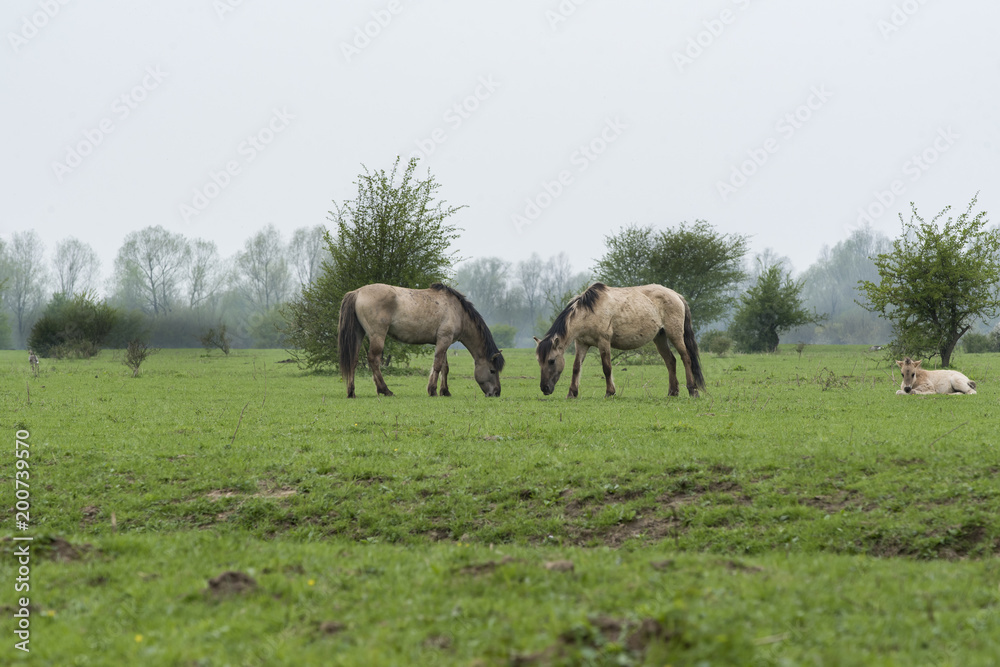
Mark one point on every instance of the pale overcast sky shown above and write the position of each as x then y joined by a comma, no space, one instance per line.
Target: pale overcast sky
554,122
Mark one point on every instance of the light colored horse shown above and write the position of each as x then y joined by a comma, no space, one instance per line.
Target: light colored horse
918,381
439,316
623,318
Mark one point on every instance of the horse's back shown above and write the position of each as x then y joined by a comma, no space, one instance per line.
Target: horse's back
409,315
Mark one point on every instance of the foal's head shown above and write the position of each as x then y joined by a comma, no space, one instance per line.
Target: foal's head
551,361
909,368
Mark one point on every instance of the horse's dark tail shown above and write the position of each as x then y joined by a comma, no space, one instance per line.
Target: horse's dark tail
349,334
692,348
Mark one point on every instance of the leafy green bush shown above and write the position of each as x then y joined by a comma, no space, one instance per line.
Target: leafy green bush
219,338
77,326
977,343
716,342
503,334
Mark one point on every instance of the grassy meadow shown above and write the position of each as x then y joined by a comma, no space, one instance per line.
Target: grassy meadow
239,511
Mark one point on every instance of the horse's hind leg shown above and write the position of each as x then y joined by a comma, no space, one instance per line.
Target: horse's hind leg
678,342
668,357
375,346
606,366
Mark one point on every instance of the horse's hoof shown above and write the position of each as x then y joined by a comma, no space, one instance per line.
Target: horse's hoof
445,392
609,395
673,392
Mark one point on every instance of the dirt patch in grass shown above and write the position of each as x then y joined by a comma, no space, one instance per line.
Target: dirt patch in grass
485,567
90,513
230,583
221,493
834,503
59,549
603,637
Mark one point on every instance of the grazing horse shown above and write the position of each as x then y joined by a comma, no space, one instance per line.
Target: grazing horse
439,315
33,362
623,318
918,381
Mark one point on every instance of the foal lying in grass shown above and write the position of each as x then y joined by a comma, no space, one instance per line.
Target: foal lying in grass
918,381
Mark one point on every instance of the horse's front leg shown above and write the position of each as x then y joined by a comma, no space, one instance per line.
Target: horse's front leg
440,361
605,349
444,377
574,384
375,347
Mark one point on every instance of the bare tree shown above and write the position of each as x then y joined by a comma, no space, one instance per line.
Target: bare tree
77,266
149,268
484,281
307,251
206,273
529,277
262,274
26,278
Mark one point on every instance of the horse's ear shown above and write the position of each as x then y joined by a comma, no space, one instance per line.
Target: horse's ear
555,341
537,341
494,357
916,364
899,363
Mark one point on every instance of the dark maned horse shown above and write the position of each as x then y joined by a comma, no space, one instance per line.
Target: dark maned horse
439,315
623,318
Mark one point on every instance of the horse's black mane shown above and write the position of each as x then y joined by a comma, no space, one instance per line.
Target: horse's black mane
479,322
586,300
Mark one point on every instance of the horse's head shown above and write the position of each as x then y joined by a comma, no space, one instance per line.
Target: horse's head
551,361
909,368
488,374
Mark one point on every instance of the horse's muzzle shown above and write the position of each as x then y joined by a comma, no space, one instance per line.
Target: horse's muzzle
547,390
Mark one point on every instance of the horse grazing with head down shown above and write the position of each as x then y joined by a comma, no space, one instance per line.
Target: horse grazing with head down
918,381
439,316
623,318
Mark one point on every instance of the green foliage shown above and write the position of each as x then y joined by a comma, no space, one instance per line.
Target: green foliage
717,342
937,280
136,352
696,261
861,540
770,307
977,343
393,233
75,326
216,338
504,335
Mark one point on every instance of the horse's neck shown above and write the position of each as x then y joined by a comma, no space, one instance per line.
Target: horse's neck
471,339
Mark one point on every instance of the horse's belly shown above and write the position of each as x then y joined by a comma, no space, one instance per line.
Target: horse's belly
637,335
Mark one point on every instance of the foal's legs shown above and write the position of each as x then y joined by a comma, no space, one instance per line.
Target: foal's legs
375,346
574,384
668,356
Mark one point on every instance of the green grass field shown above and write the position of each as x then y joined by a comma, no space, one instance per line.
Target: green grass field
799,513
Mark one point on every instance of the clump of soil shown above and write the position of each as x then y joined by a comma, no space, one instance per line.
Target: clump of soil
231,583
